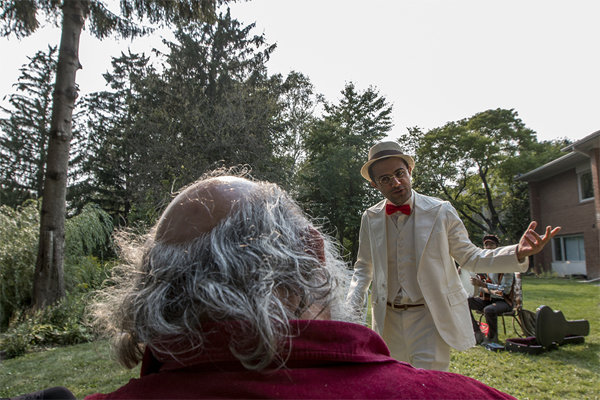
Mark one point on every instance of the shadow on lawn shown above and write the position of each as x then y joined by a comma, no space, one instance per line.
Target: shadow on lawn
578,355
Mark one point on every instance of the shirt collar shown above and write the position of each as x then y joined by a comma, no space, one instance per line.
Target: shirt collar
312,340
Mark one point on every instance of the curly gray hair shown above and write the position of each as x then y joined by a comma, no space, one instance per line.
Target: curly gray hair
263,264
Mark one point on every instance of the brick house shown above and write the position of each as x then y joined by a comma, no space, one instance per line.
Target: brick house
566,192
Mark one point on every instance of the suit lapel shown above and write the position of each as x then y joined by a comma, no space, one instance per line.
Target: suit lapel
426,212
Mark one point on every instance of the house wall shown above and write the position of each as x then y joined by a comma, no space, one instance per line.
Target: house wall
555,202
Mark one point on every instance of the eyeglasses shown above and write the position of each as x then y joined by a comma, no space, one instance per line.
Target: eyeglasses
387,179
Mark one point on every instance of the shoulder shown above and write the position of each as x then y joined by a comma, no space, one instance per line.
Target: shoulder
376,208
427,202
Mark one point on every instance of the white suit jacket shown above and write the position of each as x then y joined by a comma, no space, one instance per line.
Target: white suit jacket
440,238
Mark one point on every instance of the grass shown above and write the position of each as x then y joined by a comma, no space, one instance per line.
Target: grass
83,368
569,372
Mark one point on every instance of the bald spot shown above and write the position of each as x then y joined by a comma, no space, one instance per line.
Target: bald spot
200,207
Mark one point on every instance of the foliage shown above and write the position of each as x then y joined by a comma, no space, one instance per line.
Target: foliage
19,230
25,131
331,186
87,233
84,274
472,163
59,324
218,105
21,18
298,104
112,143
211,105
515,204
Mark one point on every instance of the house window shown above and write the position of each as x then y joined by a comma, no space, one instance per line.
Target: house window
569,248
586,189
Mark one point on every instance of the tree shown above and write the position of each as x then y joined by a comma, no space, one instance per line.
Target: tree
331,186
298,104
110,143
219,73
515,203
24,133
211,105
21,19
472,163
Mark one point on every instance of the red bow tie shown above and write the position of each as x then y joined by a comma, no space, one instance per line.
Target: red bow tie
392,208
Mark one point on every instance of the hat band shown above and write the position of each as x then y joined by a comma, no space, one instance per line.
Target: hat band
384,153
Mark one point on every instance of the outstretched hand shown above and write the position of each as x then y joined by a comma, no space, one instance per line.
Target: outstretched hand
531,243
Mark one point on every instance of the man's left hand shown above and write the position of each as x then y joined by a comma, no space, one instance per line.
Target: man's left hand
531,243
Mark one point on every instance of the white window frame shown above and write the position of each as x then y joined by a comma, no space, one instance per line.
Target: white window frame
561,239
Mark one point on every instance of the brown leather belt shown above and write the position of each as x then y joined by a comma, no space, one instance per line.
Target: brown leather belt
403,307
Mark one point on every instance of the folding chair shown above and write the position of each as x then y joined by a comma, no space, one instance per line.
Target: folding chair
516,300
518,313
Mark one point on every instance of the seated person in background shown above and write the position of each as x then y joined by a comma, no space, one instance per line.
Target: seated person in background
236,294
493,299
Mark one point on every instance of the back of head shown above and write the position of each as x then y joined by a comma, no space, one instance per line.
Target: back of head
222,252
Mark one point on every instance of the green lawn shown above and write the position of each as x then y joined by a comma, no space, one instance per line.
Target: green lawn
569,372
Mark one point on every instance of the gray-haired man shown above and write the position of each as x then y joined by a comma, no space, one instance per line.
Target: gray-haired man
235,294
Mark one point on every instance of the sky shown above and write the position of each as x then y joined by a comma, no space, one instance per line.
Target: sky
435,61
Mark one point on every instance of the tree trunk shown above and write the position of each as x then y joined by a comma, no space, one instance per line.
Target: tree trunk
48,284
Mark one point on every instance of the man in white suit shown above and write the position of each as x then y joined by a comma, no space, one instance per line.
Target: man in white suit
408,245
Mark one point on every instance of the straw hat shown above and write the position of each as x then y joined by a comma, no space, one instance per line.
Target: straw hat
385,150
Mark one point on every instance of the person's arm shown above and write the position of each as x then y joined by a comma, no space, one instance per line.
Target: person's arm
363,270
511,258
474,258
506,283
501,289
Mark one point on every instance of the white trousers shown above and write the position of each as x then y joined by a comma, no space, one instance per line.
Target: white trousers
412,337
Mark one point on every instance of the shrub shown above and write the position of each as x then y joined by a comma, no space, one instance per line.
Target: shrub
86,234
19,230
85,274
60,324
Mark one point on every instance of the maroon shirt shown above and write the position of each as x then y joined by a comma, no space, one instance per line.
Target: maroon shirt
327,360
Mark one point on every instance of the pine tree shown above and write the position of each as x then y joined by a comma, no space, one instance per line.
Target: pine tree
211,105
336,148
25,131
